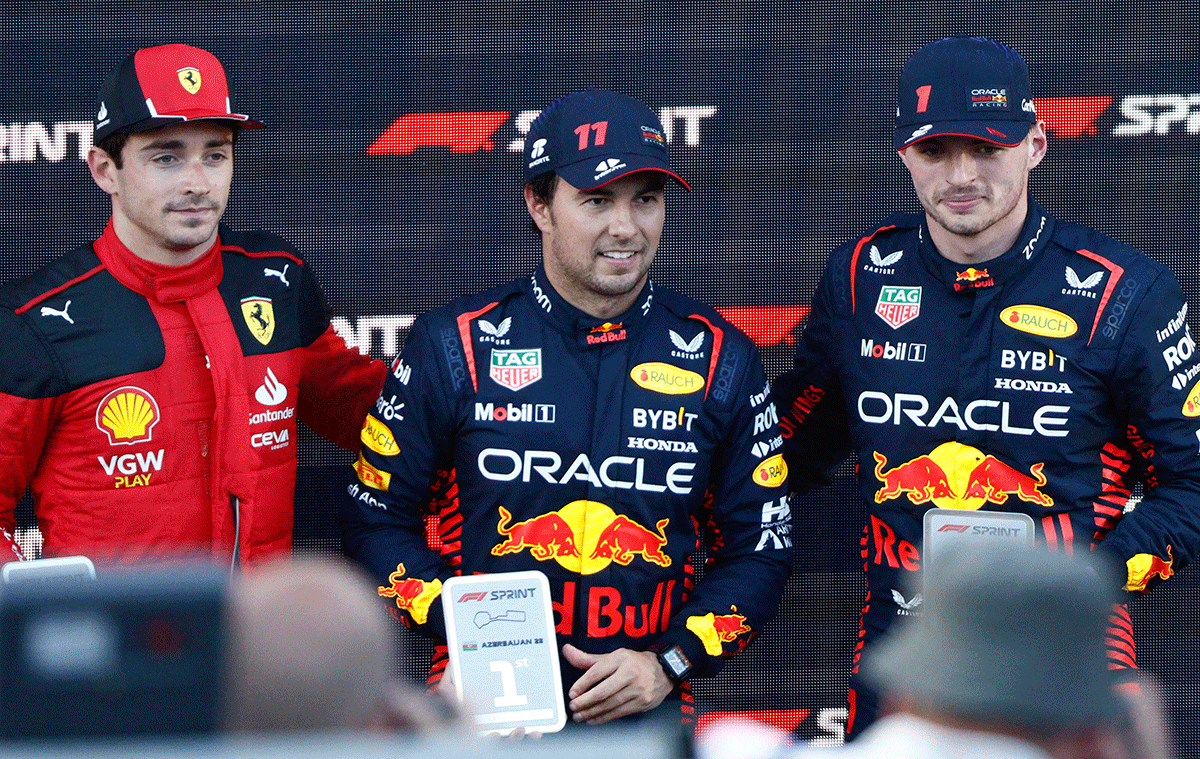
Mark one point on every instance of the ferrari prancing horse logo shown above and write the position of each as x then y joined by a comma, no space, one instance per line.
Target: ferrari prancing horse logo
190,79
260,318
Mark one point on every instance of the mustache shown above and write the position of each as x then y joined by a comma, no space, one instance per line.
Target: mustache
199,205
962,192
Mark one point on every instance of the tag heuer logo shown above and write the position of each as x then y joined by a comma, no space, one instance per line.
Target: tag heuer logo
898,305
260,318
516,368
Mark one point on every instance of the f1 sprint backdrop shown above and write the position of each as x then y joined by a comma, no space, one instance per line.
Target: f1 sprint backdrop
391,159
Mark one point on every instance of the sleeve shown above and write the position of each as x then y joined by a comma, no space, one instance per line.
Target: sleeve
338,384
812,413
27,414
748,524
1157,387
406,440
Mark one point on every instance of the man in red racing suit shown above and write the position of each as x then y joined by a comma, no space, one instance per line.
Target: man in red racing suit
598,438
1010,362
150,383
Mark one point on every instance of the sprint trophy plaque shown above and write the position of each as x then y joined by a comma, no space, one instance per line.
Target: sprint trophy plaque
503,651
949,530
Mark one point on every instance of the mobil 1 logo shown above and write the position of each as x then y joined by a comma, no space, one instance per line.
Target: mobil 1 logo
890,351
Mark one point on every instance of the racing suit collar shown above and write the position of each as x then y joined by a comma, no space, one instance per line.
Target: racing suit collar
165,284
1034,237
590,331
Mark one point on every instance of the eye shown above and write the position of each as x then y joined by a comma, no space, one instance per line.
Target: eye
165,159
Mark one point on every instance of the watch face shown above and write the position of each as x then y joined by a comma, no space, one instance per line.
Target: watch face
677,663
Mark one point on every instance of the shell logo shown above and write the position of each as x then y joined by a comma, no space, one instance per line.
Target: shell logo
1039,320
127,415
376,436
666,379
772,472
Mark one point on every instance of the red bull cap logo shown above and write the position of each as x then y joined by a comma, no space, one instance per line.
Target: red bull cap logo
957,476
411,594
714,630
584,537
1144,567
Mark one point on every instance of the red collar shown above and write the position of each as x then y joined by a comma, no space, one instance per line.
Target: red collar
166,284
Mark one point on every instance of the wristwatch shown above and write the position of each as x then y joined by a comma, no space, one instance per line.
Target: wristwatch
674,662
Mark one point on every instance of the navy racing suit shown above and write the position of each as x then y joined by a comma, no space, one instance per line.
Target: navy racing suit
603,453
1047,381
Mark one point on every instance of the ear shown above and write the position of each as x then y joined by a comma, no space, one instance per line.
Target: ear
1038,144
103,169
539,210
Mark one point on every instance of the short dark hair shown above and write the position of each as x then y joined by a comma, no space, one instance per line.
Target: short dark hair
543,186
114,143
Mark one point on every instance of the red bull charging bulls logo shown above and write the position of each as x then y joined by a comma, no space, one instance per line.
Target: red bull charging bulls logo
715,629
412,595
584,537
957,476
1144,567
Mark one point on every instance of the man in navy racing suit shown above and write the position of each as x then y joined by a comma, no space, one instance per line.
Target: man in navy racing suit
581,422
986,356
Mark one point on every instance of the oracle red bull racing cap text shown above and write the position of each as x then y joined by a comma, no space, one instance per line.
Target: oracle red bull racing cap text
594,137
968,87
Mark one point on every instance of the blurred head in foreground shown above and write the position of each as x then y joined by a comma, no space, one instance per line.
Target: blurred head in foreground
310,650
1011,643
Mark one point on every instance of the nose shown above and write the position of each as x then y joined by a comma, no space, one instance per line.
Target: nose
194,179
962,168
620,222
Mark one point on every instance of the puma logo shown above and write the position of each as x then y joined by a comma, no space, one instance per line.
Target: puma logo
273,273
47,311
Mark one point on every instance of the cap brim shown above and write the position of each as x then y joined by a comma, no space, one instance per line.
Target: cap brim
157,122
1004,133
583,175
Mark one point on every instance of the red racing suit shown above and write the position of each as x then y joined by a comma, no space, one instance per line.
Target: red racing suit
1049,381
153,409
600,452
